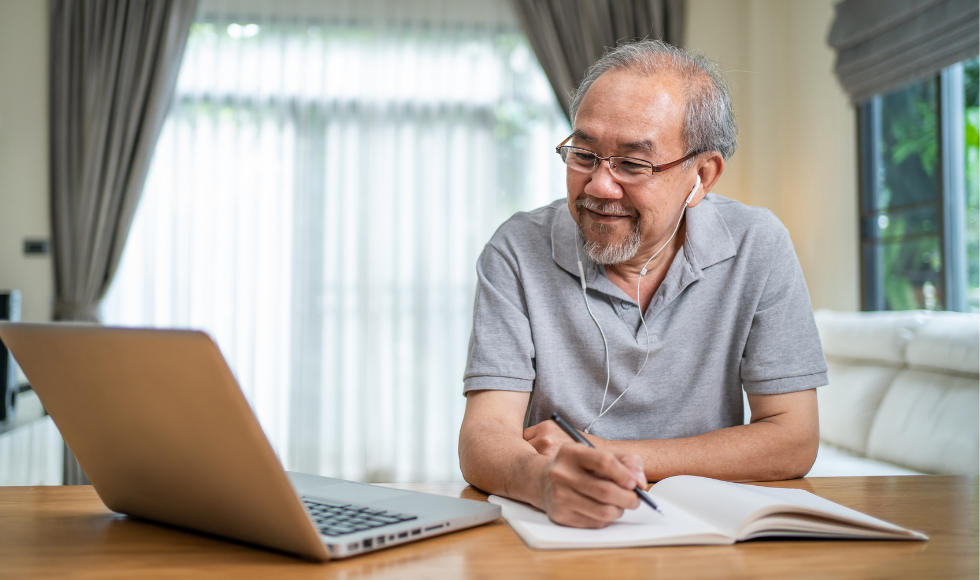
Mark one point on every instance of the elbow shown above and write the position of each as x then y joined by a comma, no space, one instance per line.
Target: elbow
797,460
465,465
801,465
790,436
470,475
469,464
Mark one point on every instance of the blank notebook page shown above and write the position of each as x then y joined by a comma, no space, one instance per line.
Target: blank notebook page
641,526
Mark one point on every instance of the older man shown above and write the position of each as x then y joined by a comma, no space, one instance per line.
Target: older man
557,317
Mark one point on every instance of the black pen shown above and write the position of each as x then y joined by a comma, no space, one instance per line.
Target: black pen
578,437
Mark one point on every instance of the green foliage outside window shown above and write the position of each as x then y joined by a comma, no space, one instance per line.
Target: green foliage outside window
908,196
903,212
971,71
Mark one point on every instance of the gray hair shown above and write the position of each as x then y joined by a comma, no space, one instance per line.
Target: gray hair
710,121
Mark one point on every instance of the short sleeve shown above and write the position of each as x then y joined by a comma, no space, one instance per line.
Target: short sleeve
501,350
782,352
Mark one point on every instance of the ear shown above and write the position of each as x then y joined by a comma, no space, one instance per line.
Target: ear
709,167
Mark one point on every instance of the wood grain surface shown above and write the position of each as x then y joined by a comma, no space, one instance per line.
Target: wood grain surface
66,532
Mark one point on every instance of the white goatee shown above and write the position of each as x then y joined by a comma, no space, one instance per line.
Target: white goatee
609,254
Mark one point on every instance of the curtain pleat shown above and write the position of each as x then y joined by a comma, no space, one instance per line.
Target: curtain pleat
885,44
569,35
113,69
113,66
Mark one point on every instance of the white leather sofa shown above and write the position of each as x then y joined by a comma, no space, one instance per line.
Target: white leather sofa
904,393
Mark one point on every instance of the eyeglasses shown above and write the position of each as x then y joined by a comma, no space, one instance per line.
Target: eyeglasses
628,169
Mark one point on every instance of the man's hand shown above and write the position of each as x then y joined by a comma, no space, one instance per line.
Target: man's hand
547,438
585,488
589,488
575,485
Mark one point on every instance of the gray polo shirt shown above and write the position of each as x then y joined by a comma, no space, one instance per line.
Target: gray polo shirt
733,312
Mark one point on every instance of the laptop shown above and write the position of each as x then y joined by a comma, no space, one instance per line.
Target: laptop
162,430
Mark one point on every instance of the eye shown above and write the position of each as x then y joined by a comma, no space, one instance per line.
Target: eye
582,159
633,167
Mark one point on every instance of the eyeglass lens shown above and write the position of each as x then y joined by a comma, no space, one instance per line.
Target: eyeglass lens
586,162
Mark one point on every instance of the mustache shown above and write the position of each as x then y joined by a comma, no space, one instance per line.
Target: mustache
605,207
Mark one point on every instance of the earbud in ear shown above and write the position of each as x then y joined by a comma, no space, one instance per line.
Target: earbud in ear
697,184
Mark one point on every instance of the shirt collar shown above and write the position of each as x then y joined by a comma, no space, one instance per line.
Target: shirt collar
706,242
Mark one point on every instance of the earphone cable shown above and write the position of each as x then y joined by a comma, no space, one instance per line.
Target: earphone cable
602,408
642,320
605,345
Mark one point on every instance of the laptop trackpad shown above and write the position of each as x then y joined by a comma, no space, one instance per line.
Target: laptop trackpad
354,493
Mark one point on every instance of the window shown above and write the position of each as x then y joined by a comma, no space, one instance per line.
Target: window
318,198
919,195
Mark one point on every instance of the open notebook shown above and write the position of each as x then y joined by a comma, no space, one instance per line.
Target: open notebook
698,510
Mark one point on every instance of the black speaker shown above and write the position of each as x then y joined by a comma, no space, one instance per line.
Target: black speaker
9,387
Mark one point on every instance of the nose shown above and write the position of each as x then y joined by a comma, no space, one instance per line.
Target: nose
602,184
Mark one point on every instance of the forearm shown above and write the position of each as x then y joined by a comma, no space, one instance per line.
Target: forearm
780,443
493,454
761,451
500,462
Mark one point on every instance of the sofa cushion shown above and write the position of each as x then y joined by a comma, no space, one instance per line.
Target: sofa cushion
876,337
947,342
849,403
929,422
836,462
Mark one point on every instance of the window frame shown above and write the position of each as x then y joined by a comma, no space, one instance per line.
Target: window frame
950,203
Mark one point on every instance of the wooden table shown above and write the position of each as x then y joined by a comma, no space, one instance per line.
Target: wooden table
66,532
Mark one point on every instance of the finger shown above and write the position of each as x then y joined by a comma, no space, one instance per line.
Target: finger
538,445
567,473
594,513
531,432
546,429
577,520
606,465
605,492
633,462
571,508
543,446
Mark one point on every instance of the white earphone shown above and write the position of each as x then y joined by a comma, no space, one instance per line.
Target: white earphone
605,345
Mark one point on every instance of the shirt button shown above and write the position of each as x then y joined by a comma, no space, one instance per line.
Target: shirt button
626,305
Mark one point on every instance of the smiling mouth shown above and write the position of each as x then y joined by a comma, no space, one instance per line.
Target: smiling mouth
607,212
605,217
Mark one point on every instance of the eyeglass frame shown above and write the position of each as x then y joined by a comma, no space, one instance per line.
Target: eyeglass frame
599,159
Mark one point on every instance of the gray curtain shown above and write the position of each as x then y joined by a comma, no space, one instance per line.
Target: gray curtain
113,67
884,44
569,35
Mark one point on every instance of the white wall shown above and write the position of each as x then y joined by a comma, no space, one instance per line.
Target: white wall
798,139
24,153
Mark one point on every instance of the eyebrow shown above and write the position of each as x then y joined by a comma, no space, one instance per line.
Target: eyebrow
643,145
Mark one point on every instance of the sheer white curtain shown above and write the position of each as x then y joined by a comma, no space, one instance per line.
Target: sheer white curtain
326,178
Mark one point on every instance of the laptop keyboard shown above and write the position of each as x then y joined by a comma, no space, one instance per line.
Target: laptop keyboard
340,519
